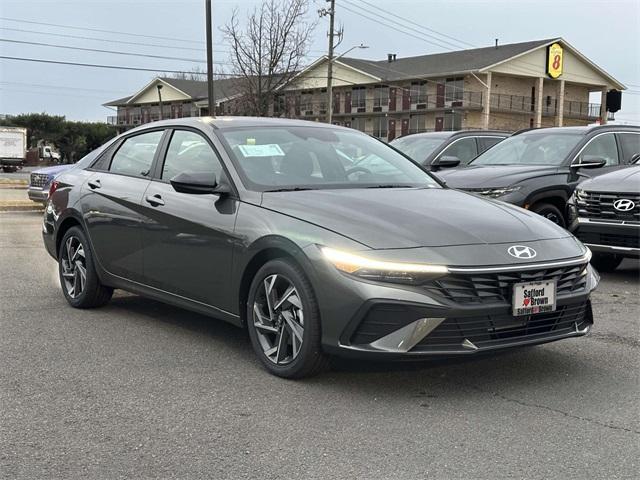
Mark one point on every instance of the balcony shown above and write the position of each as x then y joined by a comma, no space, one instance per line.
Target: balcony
524,104
135,119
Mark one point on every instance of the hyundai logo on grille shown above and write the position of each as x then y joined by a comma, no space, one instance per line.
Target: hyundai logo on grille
624,205
521,251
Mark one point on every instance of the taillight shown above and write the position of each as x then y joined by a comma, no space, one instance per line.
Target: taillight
54,186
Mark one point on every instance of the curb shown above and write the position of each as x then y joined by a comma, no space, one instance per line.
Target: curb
21,207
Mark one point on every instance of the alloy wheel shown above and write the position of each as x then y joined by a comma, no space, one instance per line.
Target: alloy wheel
553,217
278,319
74,267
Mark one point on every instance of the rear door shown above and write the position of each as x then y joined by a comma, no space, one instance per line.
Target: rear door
111,203
188,239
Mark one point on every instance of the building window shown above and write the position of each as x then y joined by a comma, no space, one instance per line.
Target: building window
453,89
381,96
358,123
358,98
452,121
306,103
418,92
380,126
417,123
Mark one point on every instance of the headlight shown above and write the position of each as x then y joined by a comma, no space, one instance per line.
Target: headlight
371,269
579,197
494,192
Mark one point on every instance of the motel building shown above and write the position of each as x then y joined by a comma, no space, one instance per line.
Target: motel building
533,84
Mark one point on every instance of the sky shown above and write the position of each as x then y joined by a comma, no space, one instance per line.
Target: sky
606,31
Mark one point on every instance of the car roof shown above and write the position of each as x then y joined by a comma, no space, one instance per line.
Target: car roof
224,122
584,130
458,133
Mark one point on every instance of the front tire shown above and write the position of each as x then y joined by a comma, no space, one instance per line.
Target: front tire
283,320
550,212
78,278
606,262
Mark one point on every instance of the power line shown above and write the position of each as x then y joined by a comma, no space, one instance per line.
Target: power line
395,27
80,37
115,67
114,52
100,30
421,27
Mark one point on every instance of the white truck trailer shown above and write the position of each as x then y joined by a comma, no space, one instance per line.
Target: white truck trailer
13,148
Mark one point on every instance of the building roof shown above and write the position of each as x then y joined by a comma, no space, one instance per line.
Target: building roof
196,89
460,61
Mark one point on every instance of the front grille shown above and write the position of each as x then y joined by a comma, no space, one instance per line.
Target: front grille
495,330
599,205
488,288
39,180
610,239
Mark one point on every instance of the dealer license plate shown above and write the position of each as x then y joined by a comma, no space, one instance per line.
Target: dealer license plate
534,297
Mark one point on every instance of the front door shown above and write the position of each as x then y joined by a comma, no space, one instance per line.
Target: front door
440,89
347,102
336,102
110,205
439,124
392,129
188,238
605,147
404,127
392,99
406,99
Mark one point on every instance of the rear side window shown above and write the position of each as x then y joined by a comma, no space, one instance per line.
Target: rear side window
190,153
485,143
603,146
135,155
464,149
630,143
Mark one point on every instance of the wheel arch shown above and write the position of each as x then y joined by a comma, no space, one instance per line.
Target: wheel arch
69,221
263,251
557,198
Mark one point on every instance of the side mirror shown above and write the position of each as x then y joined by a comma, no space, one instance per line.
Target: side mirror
201,184
445,161
590,161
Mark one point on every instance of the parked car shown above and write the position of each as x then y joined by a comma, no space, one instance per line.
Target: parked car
605,215
40,181
263,226
438,150
539,169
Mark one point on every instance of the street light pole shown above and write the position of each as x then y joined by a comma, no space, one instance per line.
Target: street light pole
212,102
332,59
332,14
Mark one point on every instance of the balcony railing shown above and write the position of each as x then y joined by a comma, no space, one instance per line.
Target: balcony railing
133,119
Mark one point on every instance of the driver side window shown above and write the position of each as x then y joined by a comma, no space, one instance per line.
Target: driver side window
135,155
603,146
464,149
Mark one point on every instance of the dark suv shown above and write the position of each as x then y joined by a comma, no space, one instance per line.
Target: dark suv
605,214
539,169
448,149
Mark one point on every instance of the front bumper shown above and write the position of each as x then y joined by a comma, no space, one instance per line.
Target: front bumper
40,195
617,238
372,319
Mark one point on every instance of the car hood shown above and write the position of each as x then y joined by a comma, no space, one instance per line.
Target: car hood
626,180
482,176
411,217
55,170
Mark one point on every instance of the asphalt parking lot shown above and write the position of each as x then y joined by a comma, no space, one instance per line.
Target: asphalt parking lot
139,389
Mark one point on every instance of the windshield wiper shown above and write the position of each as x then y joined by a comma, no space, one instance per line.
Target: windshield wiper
391,185
289,189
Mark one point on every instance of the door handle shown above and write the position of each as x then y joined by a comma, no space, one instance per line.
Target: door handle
93,184
155,200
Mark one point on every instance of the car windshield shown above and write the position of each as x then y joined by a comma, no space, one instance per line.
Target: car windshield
531,149
418,147
295,158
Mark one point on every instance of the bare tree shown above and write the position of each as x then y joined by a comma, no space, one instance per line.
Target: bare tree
196,73
270,49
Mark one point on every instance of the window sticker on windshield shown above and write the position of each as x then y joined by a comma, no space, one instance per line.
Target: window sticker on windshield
269,150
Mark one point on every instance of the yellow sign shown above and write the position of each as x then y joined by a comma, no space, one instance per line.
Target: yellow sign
554,60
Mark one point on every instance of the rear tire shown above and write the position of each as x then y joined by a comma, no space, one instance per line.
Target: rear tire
78,278
550,212
606,262
283,321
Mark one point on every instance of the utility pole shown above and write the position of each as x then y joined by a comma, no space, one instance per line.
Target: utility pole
332,14
159,87
212,102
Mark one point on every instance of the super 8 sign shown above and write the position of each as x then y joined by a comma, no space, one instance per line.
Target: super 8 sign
554,60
